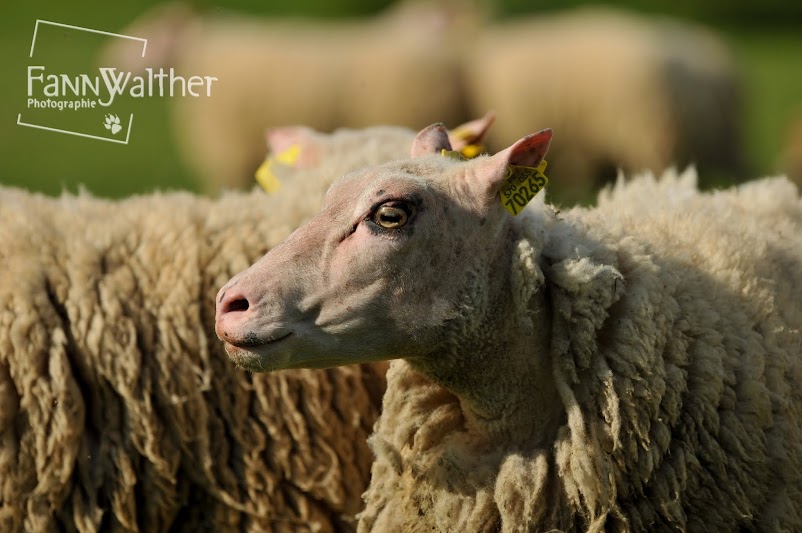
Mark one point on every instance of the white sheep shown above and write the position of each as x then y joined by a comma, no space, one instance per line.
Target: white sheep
630,367
396,68
305,162
117,409
625,91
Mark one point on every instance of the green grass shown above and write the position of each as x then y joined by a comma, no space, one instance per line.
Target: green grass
771,63
50,162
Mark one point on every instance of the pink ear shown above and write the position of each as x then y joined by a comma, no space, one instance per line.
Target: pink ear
471,132
529,151
491,172
280,139
431,140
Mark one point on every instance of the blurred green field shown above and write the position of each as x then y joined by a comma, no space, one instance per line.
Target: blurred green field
769,52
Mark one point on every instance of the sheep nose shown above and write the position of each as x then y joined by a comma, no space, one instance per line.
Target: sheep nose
230,311
232,303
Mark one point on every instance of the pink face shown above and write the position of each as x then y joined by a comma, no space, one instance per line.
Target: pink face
343,286
377,274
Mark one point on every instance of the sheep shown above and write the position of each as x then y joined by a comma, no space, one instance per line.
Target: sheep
630,367
396,68
117,409
318,158
627,92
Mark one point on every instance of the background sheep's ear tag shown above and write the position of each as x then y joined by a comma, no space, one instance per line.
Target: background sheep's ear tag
266,178
470,150
265,175
289,156
453,154
521,185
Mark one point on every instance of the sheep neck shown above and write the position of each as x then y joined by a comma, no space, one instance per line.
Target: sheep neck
500,372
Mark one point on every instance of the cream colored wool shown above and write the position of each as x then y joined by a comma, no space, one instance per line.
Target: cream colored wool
119,409
673,327
102,287
323,157
327,156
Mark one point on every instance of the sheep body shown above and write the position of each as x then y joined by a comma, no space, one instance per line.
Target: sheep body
118,411
678,379
628,367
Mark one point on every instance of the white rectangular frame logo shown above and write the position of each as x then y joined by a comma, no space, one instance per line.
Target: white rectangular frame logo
90,30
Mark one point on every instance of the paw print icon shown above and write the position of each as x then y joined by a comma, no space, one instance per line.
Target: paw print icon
112,123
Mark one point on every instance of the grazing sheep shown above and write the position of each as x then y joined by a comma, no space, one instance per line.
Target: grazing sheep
117,411
626,92
397,68
630,367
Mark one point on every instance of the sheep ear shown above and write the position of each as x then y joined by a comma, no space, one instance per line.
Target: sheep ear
296,146
471,132
431,140
491,172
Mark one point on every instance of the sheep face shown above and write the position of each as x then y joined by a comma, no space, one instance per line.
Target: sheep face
385,268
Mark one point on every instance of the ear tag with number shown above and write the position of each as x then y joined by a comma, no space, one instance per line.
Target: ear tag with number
521,186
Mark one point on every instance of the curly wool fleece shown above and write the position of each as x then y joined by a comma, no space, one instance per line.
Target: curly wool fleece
675,334
119,410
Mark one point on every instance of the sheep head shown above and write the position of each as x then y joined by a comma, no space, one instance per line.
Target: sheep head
386,267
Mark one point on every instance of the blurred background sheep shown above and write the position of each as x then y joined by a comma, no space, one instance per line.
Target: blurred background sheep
395,68
619,90
712,84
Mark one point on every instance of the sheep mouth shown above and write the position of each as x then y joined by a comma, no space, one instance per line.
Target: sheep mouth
251,341
249,354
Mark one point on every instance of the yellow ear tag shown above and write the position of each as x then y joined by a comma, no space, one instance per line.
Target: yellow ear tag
265,175
289,156
266,178
453,154
472,150
522,184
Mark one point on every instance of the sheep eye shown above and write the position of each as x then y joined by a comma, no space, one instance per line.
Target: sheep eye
392,215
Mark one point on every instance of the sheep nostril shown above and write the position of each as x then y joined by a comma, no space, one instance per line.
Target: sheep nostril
238,304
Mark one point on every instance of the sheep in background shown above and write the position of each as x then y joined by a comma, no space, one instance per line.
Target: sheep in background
625,91
630,367
397,68
316,159
117,409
